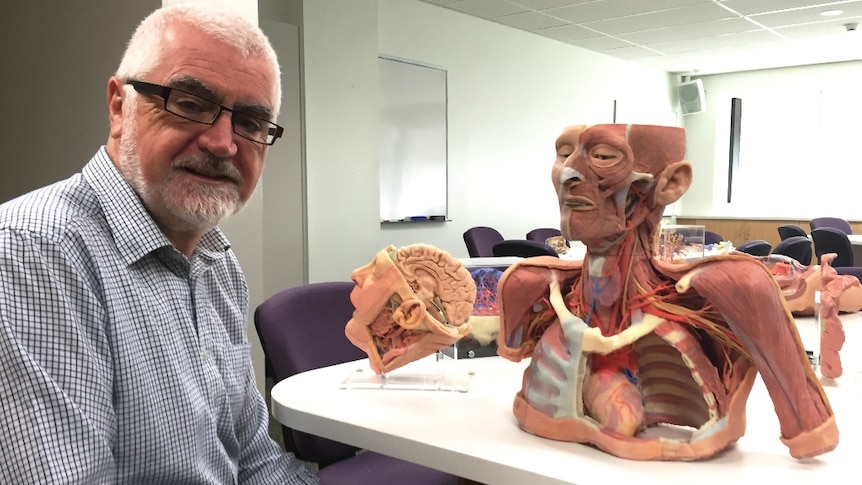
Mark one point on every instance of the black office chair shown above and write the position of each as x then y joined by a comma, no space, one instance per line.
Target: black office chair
796,247
523,248
789,230
480,241
832,240
300,329
755,247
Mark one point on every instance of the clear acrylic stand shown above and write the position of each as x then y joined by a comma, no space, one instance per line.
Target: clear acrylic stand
440,372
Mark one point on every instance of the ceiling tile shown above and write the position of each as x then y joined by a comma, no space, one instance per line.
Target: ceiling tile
824,29
752,7
543,4
608,9
530,21
680,16
807,16
723,42
488,9
630,52
567,33
442,2
603,43
679,36
686,32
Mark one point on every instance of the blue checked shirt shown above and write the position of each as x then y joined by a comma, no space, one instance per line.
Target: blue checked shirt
122,361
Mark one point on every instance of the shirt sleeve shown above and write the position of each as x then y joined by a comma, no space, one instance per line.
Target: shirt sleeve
262,460
56,415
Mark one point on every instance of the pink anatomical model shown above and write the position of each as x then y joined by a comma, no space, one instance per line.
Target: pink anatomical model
643,358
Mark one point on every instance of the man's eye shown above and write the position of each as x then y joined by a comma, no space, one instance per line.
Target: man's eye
191,105
246,124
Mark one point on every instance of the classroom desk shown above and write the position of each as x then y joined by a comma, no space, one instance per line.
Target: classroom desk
474,434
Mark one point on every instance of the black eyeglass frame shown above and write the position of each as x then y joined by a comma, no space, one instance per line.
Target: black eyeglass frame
275,131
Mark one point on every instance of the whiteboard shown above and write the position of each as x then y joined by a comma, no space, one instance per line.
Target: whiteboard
413,140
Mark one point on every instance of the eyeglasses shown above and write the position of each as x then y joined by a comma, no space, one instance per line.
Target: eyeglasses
201,110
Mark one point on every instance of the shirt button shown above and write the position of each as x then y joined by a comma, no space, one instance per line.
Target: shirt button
205,355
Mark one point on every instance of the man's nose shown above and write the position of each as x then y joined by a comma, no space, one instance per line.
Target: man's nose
219,138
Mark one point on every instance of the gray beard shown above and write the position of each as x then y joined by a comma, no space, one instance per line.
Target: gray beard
176,202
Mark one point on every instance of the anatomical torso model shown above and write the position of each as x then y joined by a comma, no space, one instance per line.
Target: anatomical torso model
643,358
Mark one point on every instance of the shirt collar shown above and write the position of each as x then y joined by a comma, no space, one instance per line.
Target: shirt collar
135,232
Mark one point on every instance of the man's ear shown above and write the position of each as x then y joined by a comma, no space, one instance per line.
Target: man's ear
116,98
672,182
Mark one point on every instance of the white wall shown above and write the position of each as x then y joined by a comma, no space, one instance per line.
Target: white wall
510,95
825,186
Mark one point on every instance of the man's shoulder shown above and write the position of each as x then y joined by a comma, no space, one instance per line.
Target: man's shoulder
51,210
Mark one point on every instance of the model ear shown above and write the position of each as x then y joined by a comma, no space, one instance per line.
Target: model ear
672,182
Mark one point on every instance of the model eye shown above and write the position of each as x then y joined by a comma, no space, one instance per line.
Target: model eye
605,156
564,151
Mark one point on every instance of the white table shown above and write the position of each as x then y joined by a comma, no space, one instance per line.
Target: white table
499,262
474,434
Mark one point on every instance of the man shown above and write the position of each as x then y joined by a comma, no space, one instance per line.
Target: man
123,310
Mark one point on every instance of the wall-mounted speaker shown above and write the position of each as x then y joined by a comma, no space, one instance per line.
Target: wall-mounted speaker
691,97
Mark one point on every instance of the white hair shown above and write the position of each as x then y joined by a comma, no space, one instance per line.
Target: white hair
144,51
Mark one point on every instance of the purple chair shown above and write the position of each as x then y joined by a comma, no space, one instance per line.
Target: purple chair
523,248
755,247
836,222
300,329
796,247
542,234
789,230
711,237
831,240
480,241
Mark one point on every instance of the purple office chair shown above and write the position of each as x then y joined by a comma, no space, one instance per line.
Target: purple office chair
831,240
480,241
836,222
711,237
523,248
796,247
755,247
789,230
300,329
542,234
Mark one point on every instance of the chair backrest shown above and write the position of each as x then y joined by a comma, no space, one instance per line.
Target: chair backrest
755,247
836,222
712,237
523,248
300,329
541,234
796,247
480,241
789,230
832,240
